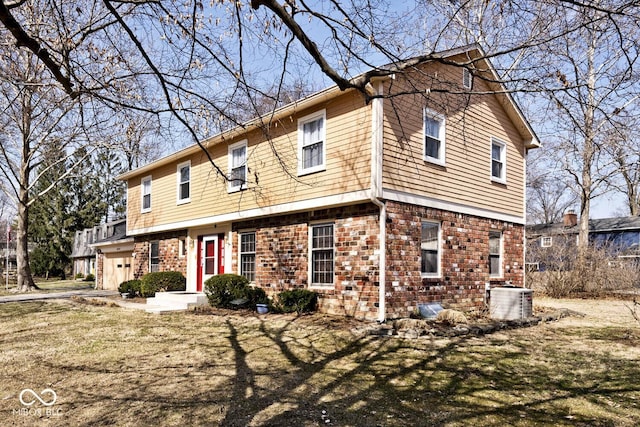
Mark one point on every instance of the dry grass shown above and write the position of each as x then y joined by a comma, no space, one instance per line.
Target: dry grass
111,366
47,286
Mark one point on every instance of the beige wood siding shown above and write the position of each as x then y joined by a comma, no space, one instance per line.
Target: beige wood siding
272,169
471,122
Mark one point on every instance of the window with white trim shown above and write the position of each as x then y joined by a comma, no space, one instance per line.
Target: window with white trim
184,182
495,254
434,137
467,78
154,257
546,241
182,247
498,160
322,249
238,166
312,143
430,249
248,255
146,194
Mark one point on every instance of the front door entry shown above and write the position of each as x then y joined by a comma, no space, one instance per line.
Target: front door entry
210,258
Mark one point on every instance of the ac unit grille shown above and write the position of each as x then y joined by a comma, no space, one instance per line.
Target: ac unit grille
511,303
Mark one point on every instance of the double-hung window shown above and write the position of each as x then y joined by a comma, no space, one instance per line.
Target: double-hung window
434,137
238,166
184,182
495,254
322,249
146,194
312,143
248,255
546,241
498,161
430,249
154,257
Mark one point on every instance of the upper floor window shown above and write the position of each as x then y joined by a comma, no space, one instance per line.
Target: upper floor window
546,241
184,182
495,254
498,160
434,141
430,249
146,194
248,255
238,166
311,143
467,79
322,248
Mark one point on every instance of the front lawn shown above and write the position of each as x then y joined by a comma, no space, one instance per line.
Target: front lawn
112,366
51,285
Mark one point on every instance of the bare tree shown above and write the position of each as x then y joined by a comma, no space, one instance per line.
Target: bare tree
588,77
34,116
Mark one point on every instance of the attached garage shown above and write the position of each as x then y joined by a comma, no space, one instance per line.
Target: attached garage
115,263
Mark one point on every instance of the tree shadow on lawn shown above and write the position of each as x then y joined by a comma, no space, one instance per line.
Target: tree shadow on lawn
263,374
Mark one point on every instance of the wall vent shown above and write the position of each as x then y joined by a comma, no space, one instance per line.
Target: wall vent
511,303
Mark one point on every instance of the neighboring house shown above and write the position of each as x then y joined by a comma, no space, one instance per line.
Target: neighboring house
378,204
620,236
104,251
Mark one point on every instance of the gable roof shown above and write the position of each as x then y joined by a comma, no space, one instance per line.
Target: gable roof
473,51
602,225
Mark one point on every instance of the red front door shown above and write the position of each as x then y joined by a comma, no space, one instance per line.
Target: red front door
210,258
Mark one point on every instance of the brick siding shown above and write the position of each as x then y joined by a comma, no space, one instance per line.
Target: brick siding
168,252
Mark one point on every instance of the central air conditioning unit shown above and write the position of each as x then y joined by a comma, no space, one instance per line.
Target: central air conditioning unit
511,303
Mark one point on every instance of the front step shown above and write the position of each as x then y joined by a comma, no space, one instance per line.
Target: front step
169,302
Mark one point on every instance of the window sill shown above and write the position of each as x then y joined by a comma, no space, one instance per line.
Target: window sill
311,171
498,180
435,161
183,202
323,286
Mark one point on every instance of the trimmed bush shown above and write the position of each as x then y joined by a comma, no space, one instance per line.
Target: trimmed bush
89,278
162,281
224,288
79,276
297,300
132,287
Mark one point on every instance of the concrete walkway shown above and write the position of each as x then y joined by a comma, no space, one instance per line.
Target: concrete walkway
37,296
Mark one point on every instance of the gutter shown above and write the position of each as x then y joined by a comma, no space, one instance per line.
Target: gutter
376,194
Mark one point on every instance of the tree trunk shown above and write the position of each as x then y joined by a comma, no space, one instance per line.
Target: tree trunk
25,280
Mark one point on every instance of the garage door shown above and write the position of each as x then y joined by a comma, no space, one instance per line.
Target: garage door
117,268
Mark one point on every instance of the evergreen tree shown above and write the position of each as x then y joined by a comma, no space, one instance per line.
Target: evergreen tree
47,220
113,192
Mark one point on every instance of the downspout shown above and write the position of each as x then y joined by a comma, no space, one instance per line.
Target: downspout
376,193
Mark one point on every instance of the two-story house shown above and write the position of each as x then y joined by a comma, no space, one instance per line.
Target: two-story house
412,194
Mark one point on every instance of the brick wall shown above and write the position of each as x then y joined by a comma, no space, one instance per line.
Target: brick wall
282,256
169,253
465,262
100,271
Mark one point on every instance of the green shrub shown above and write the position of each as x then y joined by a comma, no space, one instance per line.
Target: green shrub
162,281
297,300
132,287
89,278
224,288
79,276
